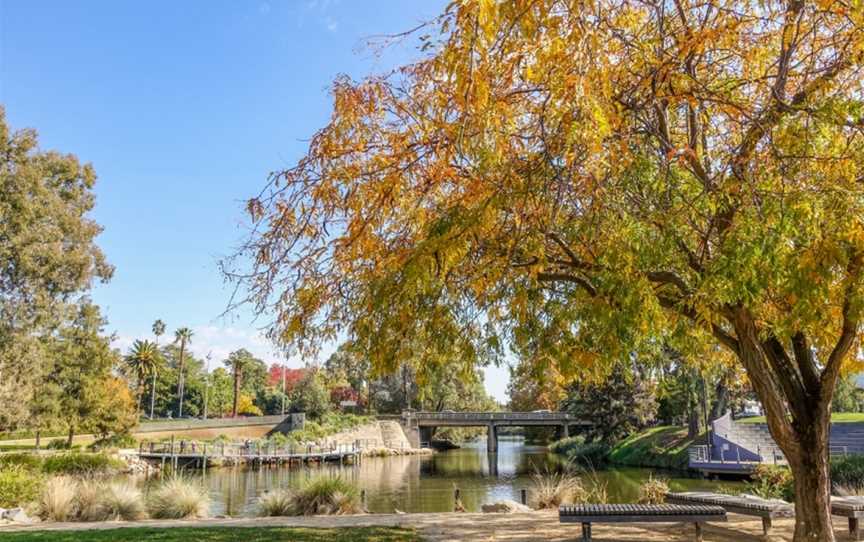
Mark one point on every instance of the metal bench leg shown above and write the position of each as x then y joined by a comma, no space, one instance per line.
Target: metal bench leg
586,532
698,531
854,531
766,526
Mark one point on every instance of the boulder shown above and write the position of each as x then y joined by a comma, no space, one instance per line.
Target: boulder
504,507
16,515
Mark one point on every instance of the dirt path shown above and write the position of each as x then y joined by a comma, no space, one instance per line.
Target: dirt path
455,527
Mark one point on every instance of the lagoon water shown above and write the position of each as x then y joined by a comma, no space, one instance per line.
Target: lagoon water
427,483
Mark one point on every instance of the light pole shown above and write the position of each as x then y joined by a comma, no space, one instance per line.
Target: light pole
207,382
283,389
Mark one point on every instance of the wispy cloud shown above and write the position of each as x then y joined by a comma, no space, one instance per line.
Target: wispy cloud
322,10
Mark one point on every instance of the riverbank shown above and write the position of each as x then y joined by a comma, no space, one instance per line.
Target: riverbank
444,527
663,447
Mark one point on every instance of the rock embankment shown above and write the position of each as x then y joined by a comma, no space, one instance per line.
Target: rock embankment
377,439
505,507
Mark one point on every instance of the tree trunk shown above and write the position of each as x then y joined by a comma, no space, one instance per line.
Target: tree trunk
693,425
721,399
180,380
236,392
140,397
153,395
798,410
71,435
37,438
812,486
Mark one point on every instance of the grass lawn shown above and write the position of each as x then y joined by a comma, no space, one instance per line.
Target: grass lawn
220,534
664,447
836,417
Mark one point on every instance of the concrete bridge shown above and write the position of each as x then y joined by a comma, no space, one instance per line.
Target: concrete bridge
420,426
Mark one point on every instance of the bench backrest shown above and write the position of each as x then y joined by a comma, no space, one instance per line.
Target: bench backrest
640,510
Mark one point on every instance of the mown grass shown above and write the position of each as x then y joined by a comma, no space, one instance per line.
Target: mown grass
221,534
661,447
836,417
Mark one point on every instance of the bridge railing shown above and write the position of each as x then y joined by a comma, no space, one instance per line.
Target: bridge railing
490,416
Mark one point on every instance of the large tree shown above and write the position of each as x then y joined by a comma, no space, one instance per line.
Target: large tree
238,361
48,257
143,362
588,177
81,368
183,336
158,330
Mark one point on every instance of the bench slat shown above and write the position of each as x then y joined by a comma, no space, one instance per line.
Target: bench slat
663,510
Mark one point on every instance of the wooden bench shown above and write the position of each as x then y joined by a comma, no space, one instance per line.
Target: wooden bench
586,514
766,509
852,508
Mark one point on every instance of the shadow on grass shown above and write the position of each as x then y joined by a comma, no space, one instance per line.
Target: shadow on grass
219,534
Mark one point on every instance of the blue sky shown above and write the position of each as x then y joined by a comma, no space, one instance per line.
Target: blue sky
183,108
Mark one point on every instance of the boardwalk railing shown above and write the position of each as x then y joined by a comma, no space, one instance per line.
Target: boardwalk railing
251,449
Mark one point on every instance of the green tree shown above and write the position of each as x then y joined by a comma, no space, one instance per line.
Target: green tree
158,330
183,336
848,397
48,256
238,361
143,361
623,404
220,394
83,360
310,396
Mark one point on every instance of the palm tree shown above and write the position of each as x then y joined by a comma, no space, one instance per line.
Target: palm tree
237,362
183,336
158,330
143,359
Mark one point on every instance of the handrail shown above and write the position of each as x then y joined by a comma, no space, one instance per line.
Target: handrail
491,416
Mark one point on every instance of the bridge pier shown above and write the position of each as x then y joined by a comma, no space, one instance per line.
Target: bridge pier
426,436
492,438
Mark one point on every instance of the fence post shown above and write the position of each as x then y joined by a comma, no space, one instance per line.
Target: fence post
363,498
523,496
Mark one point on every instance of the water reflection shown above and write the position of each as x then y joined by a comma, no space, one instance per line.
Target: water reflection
427,483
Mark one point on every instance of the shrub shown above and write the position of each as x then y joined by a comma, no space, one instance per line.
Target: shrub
576,450
327,496
551,490
179,498
848,473
81,464
772,482
89,502
653,491
279,502
19,485
113,442
58,444
279,439
123,501
26,461
100,501
58,499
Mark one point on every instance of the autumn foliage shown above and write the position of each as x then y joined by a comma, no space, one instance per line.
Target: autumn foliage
292,377
586,180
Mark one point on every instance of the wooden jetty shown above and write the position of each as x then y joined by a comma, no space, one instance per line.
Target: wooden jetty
201,455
